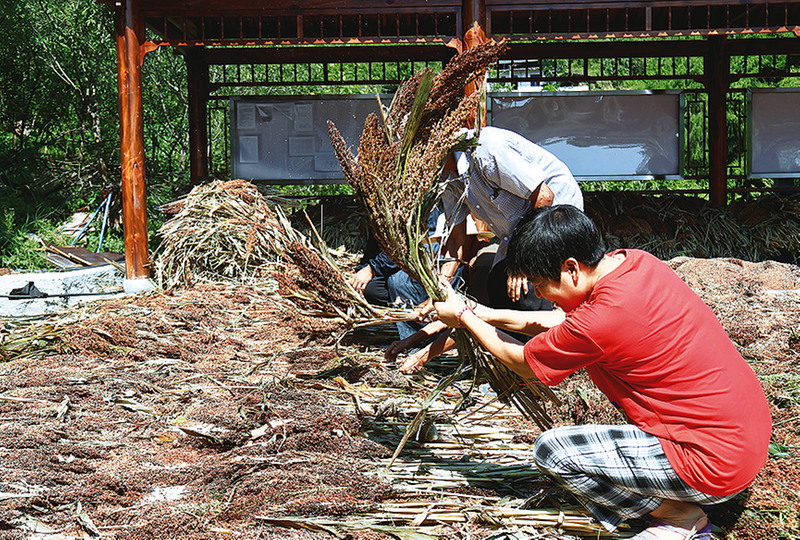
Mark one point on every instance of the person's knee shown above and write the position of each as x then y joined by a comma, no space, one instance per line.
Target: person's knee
376,292
549,456
401,287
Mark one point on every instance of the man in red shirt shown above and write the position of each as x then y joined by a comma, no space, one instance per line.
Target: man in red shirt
657,352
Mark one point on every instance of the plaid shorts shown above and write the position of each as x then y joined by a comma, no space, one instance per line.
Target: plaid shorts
616,472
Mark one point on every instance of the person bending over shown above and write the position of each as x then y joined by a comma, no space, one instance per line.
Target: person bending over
382,283
499,180
656,351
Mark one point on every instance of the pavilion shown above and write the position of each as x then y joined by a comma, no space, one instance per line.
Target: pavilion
583,40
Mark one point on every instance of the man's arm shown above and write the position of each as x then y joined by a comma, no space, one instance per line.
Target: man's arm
517,286
454,312
529,323
455,249
402,345
443,342
542,196
505,348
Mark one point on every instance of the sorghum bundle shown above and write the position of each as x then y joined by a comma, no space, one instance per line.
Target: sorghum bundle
397,177
398,169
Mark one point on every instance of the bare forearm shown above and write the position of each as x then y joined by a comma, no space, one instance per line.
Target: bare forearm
454,250
529,323
441,344
504,347
542,196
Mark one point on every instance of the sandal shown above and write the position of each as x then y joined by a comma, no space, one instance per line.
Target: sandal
690,534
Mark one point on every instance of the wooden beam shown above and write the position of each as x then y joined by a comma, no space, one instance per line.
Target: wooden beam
322,55
717,81
197,82
228,7
134,191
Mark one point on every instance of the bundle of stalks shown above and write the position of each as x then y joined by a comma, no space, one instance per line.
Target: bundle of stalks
322,276
31,339
432,511
222,231
397,176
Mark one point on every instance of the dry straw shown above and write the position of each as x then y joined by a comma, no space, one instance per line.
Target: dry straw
227,231
219,231
397,176
676,225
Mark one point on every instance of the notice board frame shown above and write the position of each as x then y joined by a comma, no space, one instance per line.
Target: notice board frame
283,139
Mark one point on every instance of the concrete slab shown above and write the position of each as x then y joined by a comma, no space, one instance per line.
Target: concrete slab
64,289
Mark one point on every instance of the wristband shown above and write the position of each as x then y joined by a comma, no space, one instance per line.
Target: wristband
461,313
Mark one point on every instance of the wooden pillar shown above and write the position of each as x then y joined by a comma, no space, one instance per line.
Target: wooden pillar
717,82
134,192
197,81
473,11
474,20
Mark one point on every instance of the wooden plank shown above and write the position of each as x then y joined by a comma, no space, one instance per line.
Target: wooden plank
82,256
206,7
59,261
352,53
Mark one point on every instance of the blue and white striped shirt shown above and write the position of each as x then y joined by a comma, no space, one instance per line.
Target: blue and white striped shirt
498,177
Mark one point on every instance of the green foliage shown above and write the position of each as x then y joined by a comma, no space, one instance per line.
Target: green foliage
59,121
308,190
21,246
166,123
643,185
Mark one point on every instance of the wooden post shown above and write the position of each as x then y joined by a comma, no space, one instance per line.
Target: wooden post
197,81
717,81
473,11
134,192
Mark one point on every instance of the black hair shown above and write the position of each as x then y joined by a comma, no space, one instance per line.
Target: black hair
546,237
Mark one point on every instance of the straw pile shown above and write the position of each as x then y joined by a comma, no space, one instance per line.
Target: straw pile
674,225
227,231
219,232
397,176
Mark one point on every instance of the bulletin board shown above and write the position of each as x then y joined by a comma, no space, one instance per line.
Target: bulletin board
774,133
284,139
600,135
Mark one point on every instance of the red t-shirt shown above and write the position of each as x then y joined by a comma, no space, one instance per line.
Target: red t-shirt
660,354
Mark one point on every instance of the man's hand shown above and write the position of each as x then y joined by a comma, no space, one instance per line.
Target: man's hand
426,311
361,278
448,309
397,347
414,362
517,287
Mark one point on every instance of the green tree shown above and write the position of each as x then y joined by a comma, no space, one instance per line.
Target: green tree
59,117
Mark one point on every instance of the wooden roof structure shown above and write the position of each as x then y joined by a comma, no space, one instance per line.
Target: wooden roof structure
235,32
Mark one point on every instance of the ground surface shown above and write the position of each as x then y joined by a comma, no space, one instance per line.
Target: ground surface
225,412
